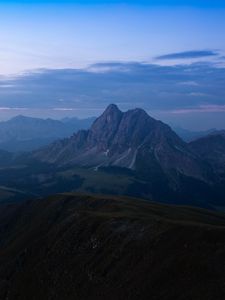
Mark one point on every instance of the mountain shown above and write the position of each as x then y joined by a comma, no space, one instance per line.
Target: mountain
26,134
132,140
123,153
212,149
83,247
189,136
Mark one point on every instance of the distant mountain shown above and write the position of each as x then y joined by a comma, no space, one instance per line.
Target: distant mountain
132,140
212,149
218,132
76,247
26,134
188,135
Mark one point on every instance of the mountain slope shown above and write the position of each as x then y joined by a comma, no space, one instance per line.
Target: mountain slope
189,136
131,140
82,247
212,149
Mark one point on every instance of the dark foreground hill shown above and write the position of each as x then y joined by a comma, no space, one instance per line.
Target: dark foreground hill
82,247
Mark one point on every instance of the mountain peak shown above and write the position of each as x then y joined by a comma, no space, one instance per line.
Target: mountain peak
19,117
106,125
139,111
132,140
112,108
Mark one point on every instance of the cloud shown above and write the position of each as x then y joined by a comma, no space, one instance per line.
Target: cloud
13,108
200,109
133,84
189,83
109,67
188,55
5,86
198,94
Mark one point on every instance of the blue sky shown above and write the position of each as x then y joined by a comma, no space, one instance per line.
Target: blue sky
77,35
59,34
202,3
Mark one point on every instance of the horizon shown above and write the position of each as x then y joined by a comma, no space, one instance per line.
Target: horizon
174,126
73,58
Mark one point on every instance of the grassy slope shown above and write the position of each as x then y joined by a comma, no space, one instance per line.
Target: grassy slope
73,246
41,179
99,182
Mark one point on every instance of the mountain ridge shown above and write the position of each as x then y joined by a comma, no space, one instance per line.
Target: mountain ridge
76,247
123,153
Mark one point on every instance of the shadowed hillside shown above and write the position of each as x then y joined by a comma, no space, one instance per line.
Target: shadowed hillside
83,247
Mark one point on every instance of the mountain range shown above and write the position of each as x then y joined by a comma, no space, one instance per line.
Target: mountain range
26,134
23,133
78,221
124,153
135,141
130,140
189,135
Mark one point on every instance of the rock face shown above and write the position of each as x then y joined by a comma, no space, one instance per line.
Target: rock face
131,140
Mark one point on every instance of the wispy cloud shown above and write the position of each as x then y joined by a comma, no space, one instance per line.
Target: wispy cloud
198,94
188,55
109,67
6,86
200,109
13,108
77,109
189,83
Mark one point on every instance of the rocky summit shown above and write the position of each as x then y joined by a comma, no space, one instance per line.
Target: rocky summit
132,140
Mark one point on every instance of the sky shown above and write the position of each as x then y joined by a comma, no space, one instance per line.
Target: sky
73,58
